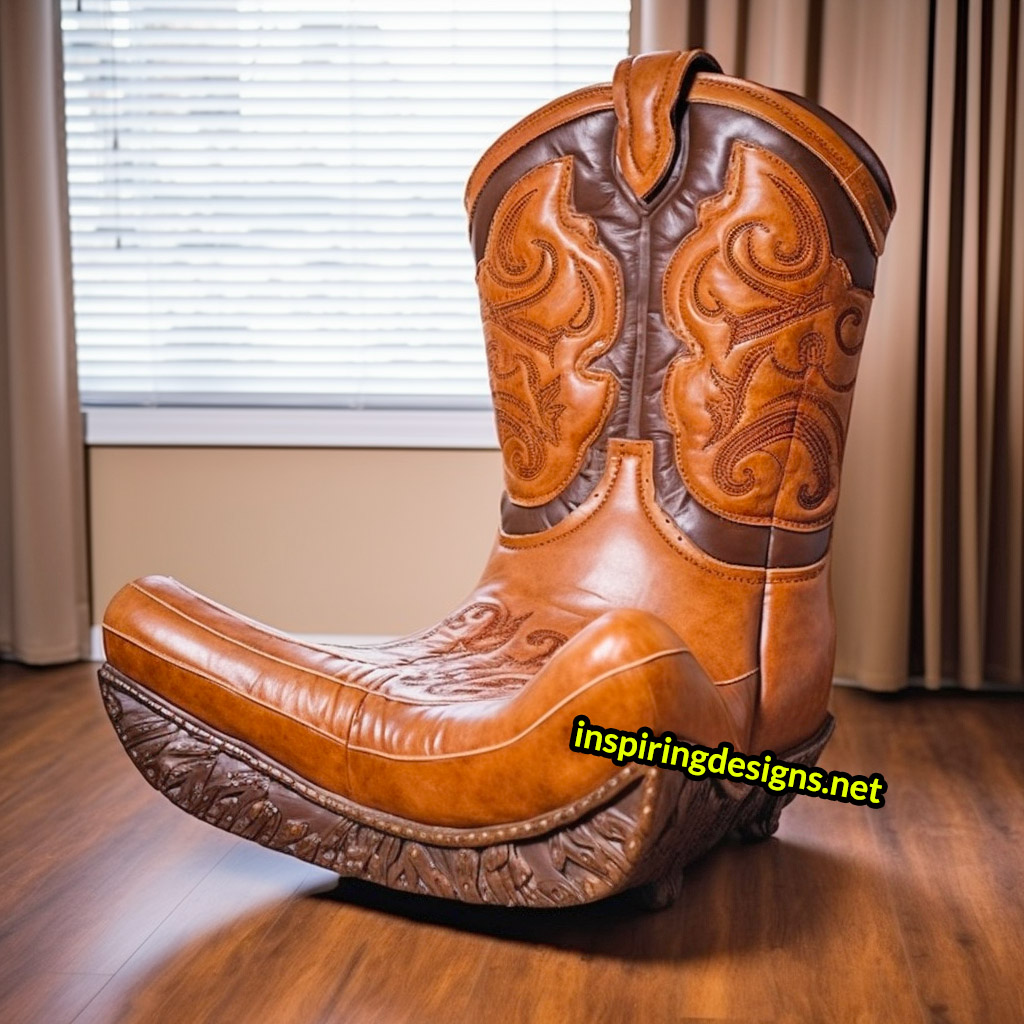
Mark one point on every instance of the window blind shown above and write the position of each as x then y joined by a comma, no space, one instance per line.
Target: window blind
266,195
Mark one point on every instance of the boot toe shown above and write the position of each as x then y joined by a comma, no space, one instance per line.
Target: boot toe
429,730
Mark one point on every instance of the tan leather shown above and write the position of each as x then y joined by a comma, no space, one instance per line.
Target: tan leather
798,642
809,131
772,328
645,91
671,378
551,299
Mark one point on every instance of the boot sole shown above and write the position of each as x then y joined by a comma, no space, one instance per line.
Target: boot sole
636,832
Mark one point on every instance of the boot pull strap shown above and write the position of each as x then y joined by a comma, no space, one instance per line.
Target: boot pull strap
646,91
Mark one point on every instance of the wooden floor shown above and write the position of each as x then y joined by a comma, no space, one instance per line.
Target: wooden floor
115,906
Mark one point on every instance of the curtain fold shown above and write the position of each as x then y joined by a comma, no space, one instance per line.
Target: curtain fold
44,609
929,540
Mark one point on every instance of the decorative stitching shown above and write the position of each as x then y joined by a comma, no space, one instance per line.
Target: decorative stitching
736,284
738,679
539,431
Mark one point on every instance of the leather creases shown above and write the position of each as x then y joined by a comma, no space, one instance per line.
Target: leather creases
772,327
551,298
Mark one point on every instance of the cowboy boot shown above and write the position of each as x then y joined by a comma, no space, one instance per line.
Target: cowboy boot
675,272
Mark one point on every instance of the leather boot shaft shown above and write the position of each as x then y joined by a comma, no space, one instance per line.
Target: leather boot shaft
684,258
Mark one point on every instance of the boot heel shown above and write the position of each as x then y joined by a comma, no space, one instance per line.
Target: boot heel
761,812
703,812
660,894
765,822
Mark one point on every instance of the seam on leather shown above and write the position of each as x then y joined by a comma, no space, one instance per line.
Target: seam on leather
337,680
261,627
332,652
601,678
221,684
738,679
248,647
393,824
357,716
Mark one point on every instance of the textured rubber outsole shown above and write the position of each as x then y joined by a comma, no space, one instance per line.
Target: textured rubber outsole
638,832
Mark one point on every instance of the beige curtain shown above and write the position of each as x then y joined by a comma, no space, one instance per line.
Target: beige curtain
44,613
929,582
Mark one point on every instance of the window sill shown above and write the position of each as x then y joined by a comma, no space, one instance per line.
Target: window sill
139,426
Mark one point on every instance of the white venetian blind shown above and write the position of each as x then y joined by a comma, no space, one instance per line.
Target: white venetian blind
266,195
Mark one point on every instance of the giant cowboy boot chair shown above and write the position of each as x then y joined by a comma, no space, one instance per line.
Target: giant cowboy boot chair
675,272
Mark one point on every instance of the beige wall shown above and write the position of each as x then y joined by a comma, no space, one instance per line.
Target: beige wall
336,541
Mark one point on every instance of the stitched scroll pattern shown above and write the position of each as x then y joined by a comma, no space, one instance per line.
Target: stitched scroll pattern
772,327
480,652
551,300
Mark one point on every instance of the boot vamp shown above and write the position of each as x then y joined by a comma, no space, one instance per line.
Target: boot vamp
464,725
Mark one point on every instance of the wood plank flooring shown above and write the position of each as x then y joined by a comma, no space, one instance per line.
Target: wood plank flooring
115,906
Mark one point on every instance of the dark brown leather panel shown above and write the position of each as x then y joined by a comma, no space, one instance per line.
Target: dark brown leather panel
558,112
798,640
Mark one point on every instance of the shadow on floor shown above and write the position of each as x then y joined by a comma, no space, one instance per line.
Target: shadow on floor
389,956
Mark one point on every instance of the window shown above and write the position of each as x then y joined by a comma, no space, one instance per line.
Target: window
266,195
